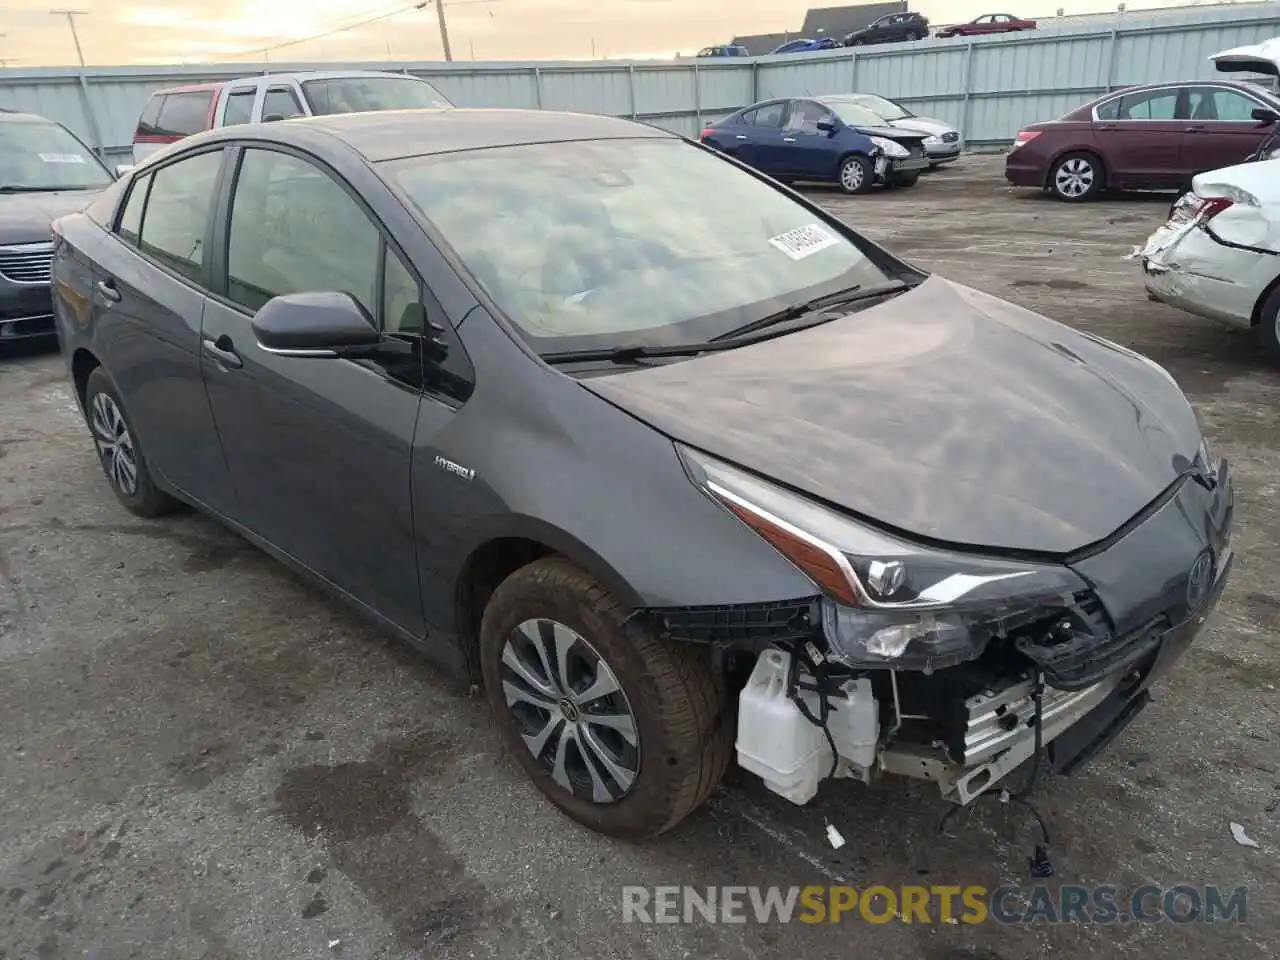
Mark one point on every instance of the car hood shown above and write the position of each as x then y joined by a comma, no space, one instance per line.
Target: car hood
1263,58
26,217
925,125
893,133
943,412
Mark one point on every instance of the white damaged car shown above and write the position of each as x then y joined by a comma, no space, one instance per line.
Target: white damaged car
1218,256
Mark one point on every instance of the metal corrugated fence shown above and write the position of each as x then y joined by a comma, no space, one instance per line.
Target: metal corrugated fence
989,87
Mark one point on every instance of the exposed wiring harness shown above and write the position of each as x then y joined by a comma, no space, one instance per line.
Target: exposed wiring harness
1039,862
794,687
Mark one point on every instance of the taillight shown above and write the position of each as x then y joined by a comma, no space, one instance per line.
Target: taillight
1025,137
1212,206
706,132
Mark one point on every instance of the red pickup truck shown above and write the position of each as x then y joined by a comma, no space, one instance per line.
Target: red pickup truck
987,23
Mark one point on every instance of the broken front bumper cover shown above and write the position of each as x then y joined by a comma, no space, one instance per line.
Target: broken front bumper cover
1075,724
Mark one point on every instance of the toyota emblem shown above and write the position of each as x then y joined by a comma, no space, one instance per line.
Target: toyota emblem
1199,580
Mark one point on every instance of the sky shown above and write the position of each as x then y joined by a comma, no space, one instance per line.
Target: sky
177,31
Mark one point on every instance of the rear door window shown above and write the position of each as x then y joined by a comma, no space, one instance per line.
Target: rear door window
281,102
175,220
239,107
184,113
770,115
1150,105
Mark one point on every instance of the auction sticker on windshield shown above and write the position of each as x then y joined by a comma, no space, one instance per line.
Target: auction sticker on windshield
61,158
803,241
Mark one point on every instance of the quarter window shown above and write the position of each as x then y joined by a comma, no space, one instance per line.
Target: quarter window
239,107
184,113
402,310
177,213
295,230
131,217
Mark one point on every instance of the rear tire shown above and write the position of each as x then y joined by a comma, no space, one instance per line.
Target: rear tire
857,175
911,35
1269,326
119,451
1077,177
550,636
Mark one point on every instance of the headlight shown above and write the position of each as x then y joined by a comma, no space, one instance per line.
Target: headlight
891,148
933,139
889,602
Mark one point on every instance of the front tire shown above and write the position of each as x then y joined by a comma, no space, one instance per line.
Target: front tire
857,175
1077,177
625,732
1269,326
911,35
904,179
119,452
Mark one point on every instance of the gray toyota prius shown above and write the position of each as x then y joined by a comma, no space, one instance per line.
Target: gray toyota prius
685,469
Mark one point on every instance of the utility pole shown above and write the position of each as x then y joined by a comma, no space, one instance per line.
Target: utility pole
444,27
71,20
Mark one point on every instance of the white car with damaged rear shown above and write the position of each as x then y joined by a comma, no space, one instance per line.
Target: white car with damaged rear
1219,254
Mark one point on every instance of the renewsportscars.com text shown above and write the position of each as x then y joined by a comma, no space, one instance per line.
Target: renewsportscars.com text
1183,903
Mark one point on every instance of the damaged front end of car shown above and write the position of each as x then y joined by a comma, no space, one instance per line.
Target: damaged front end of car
945,664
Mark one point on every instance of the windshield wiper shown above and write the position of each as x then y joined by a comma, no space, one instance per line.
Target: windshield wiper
633,352
848,295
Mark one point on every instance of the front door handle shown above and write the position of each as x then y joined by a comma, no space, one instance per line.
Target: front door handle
739,137
1106,126
788,139
109,292
1199,128
223,352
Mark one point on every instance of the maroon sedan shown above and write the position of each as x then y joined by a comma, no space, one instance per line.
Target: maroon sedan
988,23
1154,137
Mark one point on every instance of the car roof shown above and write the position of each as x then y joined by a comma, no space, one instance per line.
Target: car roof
394,134
17,116
298,75
188,88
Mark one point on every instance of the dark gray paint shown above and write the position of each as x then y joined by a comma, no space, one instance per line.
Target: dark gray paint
943,411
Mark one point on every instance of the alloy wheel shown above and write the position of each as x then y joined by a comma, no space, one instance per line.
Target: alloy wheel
1074,178
570,710
115,445
851,175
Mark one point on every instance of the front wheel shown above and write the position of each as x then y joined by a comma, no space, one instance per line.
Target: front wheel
119,452
911,35
624,731
856,174
1076,177
904,179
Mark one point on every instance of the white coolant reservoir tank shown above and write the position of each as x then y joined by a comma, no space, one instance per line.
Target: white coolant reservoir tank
854,722
775,741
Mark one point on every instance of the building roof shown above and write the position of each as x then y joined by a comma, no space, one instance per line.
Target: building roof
839,21
758,44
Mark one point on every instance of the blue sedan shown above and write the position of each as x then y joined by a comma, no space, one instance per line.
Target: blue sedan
828,139
805,45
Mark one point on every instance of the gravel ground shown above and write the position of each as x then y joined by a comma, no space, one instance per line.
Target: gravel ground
202,757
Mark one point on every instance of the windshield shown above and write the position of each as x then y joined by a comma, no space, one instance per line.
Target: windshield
879,105
854,114
368,94
587,245
40,155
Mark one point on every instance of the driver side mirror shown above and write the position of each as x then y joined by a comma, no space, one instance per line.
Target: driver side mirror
826,125
121,169
325,324
1263,115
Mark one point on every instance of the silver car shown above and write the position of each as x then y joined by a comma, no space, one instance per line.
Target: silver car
944,144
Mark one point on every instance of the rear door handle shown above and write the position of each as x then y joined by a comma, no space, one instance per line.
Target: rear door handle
223,352
109,292
1106,126
788,139
739,137
1196,129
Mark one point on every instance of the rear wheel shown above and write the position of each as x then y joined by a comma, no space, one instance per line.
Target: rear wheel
118,450
911,35
1076,177
856,174
1269,325
627,733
